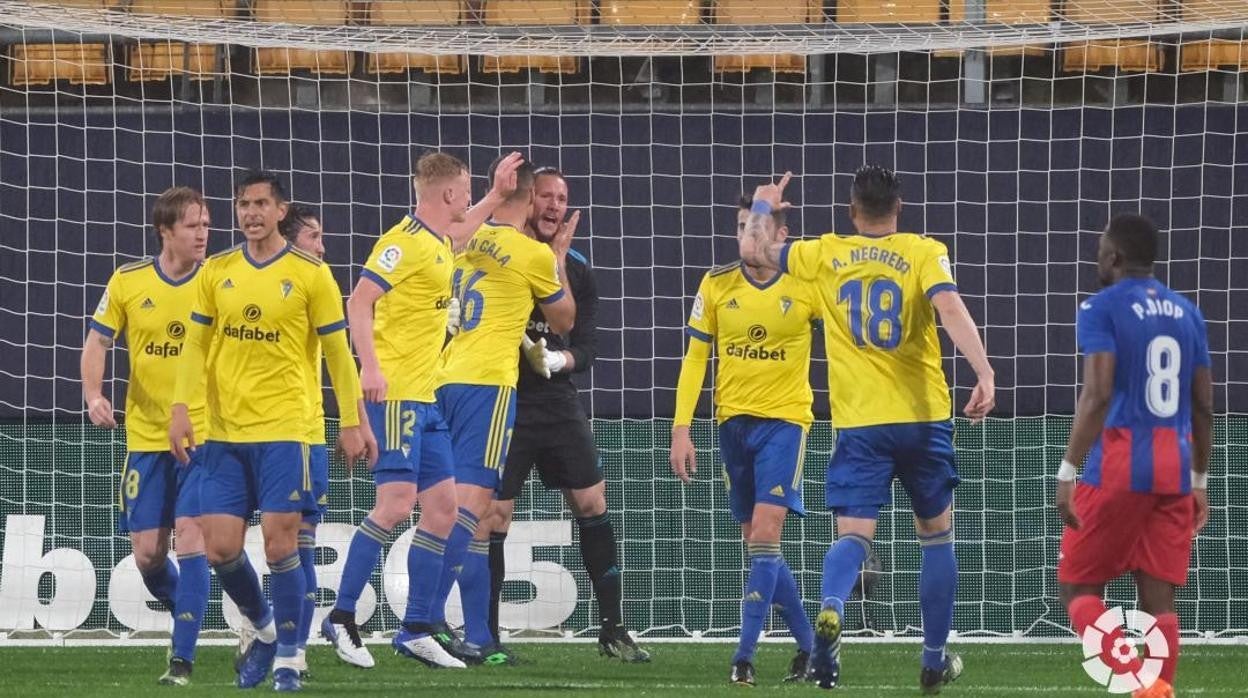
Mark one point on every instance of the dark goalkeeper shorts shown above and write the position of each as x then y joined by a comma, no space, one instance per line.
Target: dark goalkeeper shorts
564,454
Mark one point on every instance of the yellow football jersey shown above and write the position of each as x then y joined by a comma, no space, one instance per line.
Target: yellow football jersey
262,317
151,310
498,276
413,265
884,360
762,333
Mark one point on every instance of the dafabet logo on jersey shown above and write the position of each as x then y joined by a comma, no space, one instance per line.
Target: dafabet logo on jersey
243,332
756,351
1111,659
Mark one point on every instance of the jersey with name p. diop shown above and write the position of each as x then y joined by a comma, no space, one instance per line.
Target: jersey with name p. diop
1158,339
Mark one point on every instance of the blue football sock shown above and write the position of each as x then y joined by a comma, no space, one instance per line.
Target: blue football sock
424,571
361,559
162,582
765,564
474,593
938,585
239,581
840,569
192,601
789,597
452,562
287,586
307,562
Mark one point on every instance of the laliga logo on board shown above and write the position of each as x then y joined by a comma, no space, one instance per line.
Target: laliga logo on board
1109,664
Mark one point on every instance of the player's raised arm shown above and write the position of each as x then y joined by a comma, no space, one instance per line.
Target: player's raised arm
558,305
758,245
503,183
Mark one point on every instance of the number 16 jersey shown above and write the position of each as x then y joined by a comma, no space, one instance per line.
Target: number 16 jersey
1158,339
884,362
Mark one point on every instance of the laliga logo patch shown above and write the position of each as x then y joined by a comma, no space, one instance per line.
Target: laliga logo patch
757,333
389,258
698,307
103,306
251,313
176,330
1108,662
944,264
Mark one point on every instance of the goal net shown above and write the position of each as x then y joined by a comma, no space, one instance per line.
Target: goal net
1017,126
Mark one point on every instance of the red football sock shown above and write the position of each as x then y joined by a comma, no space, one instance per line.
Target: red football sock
1168,624
1083,611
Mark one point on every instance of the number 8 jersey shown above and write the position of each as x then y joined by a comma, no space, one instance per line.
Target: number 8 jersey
884,362
1158,339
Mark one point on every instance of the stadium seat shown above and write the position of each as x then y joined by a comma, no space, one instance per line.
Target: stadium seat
512,13
765,12
281,61
79,63
1139,55
888,11
161,59
1197,56
650,12
1213,54
407,14
1007,12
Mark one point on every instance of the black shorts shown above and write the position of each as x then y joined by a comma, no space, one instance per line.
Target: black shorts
564,453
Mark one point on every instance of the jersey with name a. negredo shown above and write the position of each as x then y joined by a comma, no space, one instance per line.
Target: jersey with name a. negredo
1158,339
498,276
413,265
151,311
263,317
884,360
762,332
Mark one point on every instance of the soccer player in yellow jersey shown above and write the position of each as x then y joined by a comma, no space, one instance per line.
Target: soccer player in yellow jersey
302,228
760,321
257,304
149,302
497,278
399,316
881,291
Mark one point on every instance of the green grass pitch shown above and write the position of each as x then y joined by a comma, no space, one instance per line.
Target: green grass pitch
696,670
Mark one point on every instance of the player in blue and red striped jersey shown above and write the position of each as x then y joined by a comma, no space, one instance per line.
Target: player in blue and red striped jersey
1145,423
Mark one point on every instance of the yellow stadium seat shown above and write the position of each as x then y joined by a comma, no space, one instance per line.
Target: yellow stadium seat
161,59
650,12
1199,56
765,12
1213,54
522,12
888,11
1135,55
281,61
1139,55
1007,12
79,63
391,13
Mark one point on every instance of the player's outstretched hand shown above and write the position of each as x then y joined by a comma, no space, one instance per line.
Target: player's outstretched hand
505,174
373,384
1065,499
983,399
1201,499
181,434
100,410
535,354
562,241
773,193
683,455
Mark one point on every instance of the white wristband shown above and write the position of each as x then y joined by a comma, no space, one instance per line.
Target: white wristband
1200,481
1066,472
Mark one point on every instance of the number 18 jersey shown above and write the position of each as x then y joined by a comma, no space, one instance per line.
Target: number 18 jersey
1158,340
884,362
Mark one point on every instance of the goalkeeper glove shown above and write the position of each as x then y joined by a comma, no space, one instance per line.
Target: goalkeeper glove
452,316
543,361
